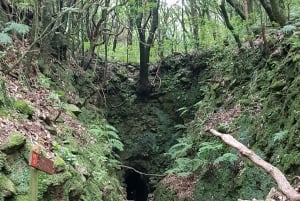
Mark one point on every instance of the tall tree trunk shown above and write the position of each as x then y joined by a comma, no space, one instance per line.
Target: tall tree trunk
238,8
195,23
228,24
143,85
268,10
183,28
278,12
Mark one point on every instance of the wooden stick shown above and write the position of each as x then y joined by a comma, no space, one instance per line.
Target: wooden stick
282,183
33,184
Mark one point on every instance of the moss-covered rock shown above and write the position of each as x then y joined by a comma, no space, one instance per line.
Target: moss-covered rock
60,164
7,188
15,141
72,109
24,108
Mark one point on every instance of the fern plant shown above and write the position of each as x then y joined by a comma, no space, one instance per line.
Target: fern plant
65,153
180,149
185,166
278,137
5,38
109,134
227,157
17,27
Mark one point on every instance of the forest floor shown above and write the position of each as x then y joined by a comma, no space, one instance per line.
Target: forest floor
37,128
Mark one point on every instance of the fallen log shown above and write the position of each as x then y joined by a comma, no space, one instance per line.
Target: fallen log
283,184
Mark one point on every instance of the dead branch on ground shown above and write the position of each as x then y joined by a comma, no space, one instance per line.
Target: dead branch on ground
283,184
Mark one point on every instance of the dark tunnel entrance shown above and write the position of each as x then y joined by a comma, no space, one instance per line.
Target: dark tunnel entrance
136,186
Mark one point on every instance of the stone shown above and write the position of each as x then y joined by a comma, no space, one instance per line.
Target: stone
24,108
72,108
60,164
15,142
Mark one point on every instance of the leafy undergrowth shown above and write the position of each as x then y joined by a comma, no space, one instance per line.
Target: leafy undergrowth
255,98
36,127
84,153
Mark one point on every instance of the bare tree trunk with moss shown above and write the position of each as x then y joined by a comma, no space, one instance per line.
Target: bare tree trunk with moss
238,8
228,24
278,12
274,11
144,20
194,15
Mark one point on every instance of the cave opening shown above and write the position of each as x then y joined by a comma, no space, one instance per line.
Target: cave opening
136,186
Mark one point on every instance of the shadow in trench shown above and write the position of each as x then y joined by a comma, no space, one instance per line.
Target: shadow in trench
136,186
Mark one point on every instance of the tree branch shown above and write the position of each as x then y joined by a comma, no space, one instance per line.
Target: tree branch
282,183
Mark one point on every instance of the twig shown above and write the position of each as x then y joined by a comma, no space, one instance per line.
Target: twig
137,171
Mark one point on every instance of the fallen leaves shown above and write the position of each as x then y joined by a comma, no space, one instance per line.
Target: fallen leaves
35,129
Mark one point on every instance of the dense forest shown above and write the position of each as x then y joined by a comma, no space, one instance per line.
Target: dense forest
150,100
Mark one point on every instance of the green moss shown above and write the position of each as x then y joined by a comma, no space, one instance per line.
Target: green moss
92,191
253,182
23,107
7,188
49,182
60,164
20,175
162,193
21,198
216,185
15,142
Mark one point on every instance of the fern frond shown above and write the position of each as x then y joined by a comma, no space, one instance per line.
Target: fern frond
280,135
231,158
5,38
111,128
96,130
117,144
17,27
179,150
112,134
186,166
207,147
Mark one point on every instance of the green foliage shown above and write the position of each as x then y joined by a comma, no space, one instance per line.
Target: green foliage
23,107
288,29
182,111
109,134
20,176
278,137
5,38
180,149
17,27
186,162
65,153
227,157
209,150
44,81
5,100
185,166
